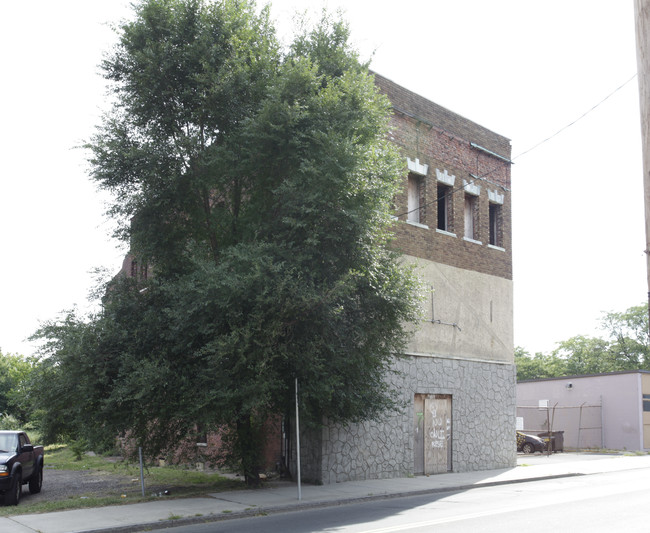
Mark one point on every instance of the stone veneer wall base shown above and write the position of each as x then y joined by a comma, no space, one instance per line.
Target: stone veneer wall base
483,424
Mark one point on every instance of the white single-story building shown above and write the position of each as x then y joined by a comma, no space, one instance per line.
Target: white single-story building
609,411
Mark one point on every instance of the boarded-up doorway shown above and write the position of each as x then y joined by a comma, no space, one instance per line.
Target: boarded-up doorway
432,444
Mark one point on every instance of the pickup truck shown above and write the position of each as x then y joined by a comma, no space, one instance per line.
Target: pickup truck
20,462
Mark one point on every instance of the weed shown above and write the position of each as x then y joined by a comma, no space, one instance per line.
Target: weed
79,447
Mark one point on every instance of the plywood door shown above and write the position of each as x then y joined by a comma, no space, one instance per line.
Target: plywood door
437,434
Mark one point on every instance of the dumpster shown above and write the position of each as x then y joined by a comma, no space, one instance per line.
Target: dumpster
557,440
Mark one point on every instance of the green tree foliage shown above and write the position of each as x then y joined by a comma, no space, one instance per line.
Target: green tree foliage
538,366
584,355
628,337
15,371
258,184
625,347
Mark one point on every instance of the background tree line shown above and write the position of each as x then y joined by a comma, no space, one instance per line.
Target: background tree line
625,345
15,390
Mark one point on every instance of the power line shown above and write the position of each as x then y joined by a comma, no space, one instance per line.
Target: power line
474,178
576,120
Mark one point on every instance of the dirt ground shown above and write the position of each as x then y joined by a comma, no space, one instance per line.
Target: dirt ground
66,484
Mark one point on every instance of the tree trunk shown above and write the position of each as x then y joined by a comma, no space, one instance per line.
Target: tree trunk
249,445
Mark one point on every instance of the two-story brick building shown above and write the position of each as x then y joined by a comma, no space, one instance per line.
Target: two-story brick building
458,375
457,378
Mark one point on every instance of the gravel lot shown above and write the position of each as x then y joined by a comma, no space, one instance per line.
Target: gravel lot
65,484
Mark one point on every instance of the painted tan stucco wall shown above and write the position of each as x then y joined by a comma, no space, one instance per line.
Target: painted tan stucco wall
480,306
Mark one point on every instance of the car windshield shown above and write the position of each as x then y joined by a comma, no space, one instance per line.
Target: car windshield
8,442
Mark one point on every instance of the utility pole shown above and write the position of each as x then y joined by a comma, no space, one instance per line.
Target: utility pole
642,26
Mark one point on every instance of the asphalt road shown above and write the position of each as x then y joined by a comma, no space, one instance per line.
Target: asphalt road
595,503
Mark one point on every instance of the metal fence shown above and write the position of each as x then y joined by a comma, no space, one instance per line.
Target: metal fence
582,425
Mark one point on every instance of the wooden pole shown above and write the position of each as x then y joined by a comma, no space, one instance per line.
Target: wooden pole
642,26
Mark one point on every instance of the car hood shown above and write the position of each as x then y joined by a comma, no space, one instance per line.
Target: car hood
5,456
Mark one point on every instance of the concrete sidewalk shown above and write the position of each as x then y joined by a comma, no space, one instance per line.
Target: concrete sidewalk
284,496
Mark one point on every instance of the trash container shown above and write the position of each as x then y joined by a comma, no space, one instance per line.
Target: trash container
557,440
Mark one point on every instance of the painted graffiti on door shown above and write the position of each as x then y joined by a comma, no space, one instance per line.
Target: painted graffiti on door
437,431
432,434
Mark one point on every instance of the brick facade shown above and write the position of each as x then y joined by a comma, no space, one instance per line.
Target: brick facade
454,146
457,376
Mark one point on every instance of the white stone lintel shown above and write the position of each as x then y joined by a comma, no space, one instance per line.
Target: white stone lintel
416,167
471,188
445,177
495,197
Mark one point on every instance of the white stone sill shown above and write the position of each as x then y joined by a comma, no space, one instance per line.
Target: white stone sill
443,232
417,224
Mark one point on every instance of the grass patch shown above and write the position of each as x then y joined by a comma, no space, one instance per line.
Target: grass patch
62,458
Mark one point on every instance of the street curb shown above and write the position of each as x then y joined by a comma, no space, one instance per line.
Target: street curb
263,511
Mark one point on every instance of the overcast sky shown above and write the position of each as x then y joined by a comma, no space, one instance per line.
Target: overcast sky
523,69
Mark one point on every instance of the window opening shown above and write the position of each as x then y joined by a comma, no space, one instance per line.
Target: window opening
414,204
495,225
444,207
471,222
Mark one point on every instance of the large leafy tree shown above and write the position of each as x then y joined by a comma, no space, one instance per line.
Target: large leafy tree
257,184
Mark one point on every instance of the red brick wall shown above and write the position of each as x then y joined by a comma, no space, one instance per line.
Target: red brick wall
272,452
442,140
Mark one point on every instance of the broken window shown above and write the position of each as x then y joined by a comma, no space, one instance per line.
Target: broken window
444,207
471,216
495,225
415,186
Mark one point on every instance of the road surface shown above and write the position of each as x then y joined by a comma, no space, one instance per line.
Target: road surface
617,501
